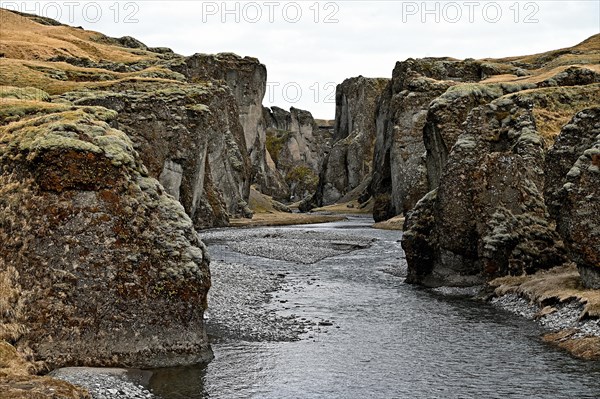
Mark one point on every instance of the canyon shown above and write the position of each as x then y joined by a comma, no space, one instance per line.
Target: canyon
113,155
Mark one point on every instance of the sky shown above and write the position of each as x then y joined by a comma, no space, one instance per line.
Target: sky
311,46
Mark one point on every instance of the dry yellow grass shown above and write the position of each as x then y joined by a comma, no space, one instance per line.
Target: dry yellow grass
284,219
395,223
49,75
557,285
23,38
580,52
351,207
18,382
584,348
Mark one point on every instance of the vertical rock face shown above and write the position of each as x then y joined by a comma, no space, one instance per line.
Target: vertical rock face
350,159
247,79
297,147
190,138
446,115
399,169
573,191
103,267
488,216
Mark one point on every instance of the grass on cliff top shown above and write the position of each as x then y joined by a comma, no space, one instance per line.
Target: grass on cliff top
559,284
13,110
24,38
586,52
555,106
541,74
60,77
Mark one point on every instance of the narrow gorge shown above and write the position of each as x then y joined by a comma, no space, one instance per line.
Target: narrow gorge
125,171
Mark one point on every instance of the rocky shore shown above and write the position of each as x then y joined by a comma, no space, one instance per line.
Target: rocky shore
556,300
106,383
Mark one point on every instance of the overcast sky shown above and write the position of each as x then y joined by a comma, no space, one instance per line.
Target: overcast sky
310,46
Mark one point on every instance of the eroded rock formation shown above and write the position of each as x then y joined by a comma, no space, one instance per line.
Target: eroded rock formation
488,216
399,169
297,147
92,246
247,79
190,138
348,166
573,191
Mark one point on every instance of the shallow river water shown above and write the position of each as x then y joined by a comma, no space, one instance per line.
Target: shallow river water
382,339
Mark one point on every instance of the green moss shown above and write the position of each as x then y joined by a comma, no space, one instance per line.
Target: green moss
198,108
24,93
275,141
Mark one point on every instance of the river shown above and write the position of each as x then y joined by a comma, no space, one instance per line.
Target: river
377,337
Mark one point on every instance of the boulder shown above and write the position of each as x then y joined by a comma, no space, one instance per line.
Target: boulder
99,266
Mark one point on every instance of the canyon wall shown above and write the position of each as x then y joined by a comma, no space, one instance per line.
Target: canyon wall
297,147
510,187
93,246
348,166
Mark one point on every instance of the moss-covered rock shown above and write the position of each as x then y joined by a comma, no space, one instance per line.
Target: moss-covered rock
573,191
92,247
189,137
297,146
489,217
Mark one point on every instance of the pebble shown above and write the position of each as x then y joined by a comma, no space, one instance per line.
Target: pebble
104,383
565,315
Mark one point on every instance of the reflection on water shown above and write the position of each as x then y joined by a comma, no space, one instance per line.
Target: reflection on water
389,340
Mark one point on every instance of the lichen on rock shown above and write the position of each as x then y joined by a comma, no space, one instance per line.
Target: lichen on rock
92,247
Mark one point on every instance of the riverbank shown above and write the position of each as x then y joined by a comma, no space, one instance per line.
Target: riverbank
556,300
283,219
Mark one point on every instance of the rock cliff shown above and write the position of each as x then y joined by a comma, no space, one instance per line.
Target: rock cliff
297,146
488,216
93,246
189,137
573,191
399,170
216,106
247,79
348,166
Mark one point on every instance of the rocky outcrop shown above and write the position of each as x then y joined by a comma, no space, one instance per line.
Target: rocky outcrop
98,264
573,191
399,172
350,160
297,147
247,79
488,216
446,115
190,138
